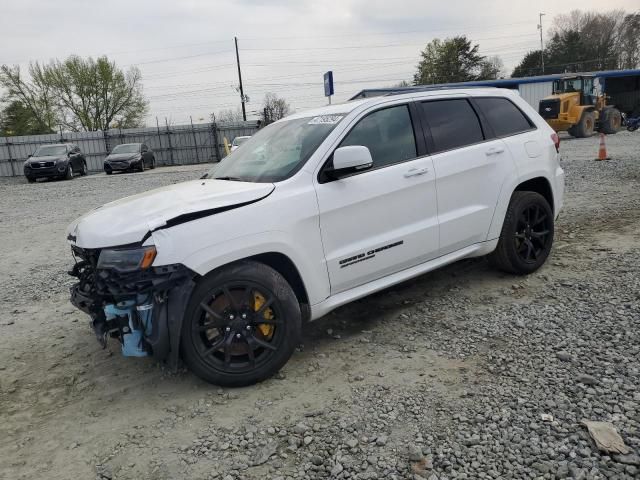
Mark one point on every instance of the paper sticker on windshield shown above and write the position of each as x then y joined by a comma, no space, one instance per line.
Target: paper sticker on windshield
326,120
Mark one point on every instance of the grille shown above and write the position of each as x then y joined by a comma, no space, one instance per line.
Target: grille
549,108
42,164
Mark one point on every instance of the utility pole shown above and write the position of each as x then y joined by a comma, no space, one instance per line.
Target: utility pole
541,43
242,99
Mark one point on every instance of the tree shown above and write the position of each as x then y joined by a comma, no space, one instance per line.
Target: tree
448,61
491,68
81,94
36,96
228,116
274,108
582,41
529,65
17,119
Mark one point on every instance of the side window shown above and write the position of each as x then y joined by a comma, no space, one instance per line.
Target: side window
143,147
453,124
387,133
503,116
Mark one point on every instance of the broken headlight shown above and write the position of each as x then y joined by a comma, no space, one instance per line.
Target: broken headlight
127,260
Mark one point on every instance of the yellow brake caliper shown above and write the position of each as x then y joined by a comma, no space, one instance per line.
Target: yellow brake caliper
265,328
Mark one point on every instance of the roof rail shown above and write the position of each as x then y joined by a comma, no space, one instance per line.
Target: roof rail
427,88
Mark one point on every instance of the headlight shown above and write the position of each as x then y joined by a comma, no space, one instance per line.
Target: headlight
127,260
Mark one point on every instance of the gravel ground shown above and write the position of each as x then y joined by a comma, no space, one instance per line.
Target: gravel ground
462,373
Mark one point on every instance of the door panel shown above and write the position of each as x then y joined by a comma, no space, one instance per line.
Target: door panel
378,222
469,181
470,170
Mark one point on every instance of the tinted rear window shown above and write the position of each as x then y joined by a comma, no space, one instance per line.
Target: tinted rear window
453,124
503,116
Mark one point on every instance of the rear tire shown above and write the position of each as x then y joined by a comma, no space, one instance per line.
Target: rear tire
586,126
611,121
234,340
527,234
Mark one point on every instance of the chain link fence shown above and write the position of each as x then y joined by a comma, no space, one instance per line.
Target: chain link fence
172,144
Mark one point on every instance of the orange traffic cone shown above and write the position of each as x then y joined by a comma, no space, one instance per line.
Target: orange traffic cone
602,152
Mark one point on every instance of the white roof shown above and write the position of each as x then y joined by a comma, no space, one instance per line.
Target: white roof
347,107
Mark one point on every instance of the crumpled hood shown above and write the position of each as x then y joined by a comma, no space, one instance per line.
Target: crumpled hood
129,219
122,156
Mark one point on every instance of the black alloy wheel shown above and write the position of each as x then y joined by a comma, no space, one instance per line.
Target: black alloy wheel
242,324
532,233
527,234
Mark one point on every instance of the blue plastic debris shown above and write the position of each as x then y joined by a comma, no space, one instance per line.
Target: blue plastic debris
139,325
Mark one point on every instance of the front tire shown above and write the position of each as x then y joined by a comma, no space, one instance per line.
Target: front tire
85,170
153,163
586,126
241,325
31,179
69,175
141,166
527,234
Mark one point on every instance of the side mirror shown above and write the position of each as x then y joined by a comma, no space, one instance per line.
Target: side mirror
350,159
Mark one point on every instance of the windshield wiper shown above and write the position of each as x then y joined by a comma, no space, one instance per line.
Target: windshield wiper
234,179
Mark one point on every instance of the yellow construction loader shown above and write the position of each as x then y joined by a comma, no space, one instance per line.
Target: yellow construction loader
575,107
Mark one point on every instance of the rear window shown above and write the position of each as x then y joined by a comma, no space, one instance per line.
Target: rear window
453,124
503,116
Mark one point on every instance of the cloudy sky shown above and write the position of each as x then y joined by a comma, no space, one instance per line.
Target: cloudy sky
185,48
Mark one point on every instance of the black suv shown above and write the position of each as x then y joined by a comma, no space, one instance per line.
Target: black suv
62,160
129,156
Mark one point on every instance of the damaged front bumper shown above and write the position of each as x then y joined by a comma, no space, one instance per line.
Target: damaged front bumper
143,309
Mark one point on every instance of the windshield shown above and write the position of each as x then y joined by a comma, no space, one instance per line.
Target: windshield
277,151
50,150
127,148
239,140
568,85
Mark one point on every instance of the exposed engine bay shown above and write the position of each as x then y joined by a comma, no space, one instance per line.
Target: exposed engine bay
142,309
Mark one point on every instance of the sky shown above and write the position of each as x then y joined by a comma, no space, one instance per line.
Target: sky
185,49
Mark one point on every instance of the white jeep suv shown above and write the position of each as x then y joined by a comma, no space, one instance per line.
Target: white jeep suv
314,211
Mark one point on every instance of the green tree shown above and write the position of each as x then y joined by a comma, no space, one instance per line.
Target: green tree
17,119
80,94
452,60
529,66
36,96
96,94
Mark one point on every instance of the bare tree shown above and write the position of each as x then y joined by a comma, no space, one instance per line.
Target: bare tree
274,108
228,116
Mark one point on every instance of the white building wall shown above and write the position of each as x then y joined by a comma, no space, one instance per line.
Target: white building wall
532,93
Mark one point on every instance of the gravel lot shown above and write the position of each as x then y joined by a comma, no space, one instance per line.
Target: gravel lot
462,373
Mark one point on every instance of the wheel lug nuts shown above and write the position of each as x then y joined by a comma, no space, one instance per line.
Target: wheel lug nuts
231,317
244,315
238,335
248,327
228,329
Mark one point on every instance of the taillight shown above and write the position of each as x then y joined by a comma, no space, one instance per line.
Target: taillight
556,141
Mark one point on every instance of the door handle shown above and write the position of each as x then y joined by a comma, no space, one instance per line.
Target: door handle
494,150
414,172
